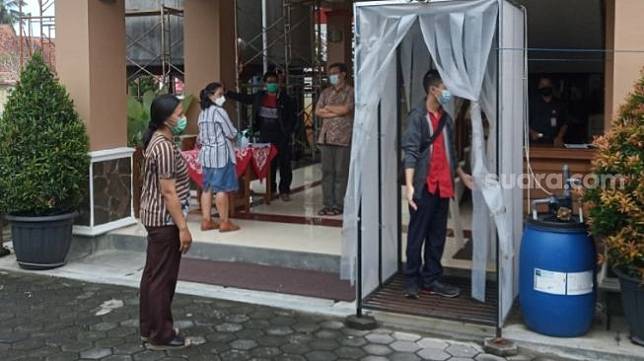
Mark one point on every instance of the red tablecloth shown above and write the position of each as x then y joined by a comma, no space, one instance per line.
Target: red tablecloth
257,155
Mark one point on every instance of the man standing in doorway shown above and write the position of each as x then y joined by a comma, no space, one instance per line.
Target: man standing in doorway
276,118
335,107
430,165
548,116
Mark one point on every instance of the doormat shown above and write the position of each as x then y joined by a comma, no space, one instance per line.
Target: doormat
267,278
390,298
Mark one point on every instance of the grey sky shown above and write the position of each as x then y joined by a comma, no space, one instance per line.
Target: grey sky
32,8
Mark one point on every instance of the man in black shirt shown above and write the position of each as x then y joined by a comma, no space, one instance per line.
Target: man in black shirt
275,118
548,116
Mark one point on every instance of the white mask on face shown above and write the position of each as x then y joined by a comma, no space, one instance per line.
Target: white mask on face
220,101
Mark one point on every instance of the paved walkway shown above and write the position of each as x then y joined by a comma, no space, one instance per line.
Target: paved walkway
46,318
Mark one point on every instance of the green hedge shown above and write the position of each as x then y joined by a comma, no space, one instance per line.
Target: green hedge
44,158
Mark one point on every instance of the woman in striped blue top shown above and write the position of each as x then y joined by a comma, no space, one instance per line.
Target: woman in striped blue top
217,157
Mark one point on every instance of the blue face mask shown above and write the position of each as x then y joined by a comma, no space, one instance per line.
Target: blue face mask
445,97
334,79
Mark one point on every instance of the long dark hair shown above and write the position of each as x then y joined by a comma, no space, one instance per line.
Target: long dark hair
206,93
161,109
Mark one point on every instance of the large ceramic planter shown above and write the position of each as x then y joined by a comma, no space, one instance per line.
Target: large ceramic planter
41,242
633,303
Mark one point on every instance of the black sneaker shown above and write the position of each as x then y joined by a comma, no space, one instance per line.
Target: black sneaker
412,292
177,343
443,290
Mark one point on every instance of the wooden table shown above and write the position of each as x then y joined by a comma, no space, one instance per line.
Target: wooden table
241,199
253,162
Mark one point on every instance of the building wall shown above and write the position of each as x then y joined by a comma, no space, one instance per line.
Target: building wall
147,32
209,49
90,61
576,24
5,89
250,27
624,29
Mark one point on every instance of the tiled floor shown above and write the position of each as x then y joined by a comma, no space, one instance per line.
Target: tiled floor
271,233
95,321
306,203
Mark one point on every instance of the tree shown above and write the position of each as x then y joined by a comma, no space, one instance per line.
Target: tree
44,148
9,11
616,210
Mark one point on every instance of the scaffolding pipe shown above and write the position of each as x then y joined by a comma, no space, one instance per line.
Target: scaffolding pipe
318,71
237,63
20,29
287,41
311,65
27,33
162,48
165,15
264,37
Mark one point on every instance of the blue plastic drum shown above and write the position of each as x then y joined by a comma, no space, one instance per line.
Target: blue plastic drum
557,287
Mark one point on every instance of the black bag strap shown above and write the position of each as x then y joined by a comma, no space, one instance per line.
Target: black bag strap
438,130
432,139
436,133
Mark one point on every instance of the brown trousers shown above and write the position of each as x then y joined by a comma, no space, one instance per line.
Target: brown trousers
158,284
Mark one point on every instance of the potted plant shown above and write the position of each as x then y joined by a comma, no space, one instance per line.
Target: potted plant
138,116
44,165
616,208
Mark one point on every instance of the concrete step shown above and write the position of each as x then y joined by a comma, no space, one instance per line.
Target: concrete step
312,252
311,261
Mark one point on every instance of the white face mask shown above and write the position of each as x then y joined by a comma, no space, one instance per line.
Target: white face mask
220,101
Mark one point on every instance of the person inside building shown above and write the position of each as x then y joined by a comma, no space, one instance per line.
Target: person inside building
275,117
430,165
165,202
335,107
548,116
217,158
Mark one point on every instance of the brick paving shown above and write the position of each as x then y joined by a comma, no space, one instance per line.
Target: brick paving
46,318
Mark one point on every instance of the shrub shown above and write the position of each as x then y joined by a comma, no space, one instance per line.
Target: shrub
138,115
616,213
44,157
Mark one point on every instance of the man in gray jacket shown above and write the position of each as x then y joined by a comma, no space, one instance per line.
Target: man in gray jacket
430,166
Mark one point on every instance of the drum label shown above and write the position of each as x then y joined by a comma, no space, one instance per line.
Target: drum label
580,283
549,282
562,283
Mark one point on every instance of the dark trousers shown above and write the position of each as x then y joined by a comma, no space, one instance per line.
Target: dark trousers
428,226
335,173
281,162
158,284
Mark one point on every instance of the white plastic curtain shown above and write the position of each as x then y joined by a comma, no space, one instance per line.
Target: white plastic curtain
459,36
414,60
460,44
376,49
